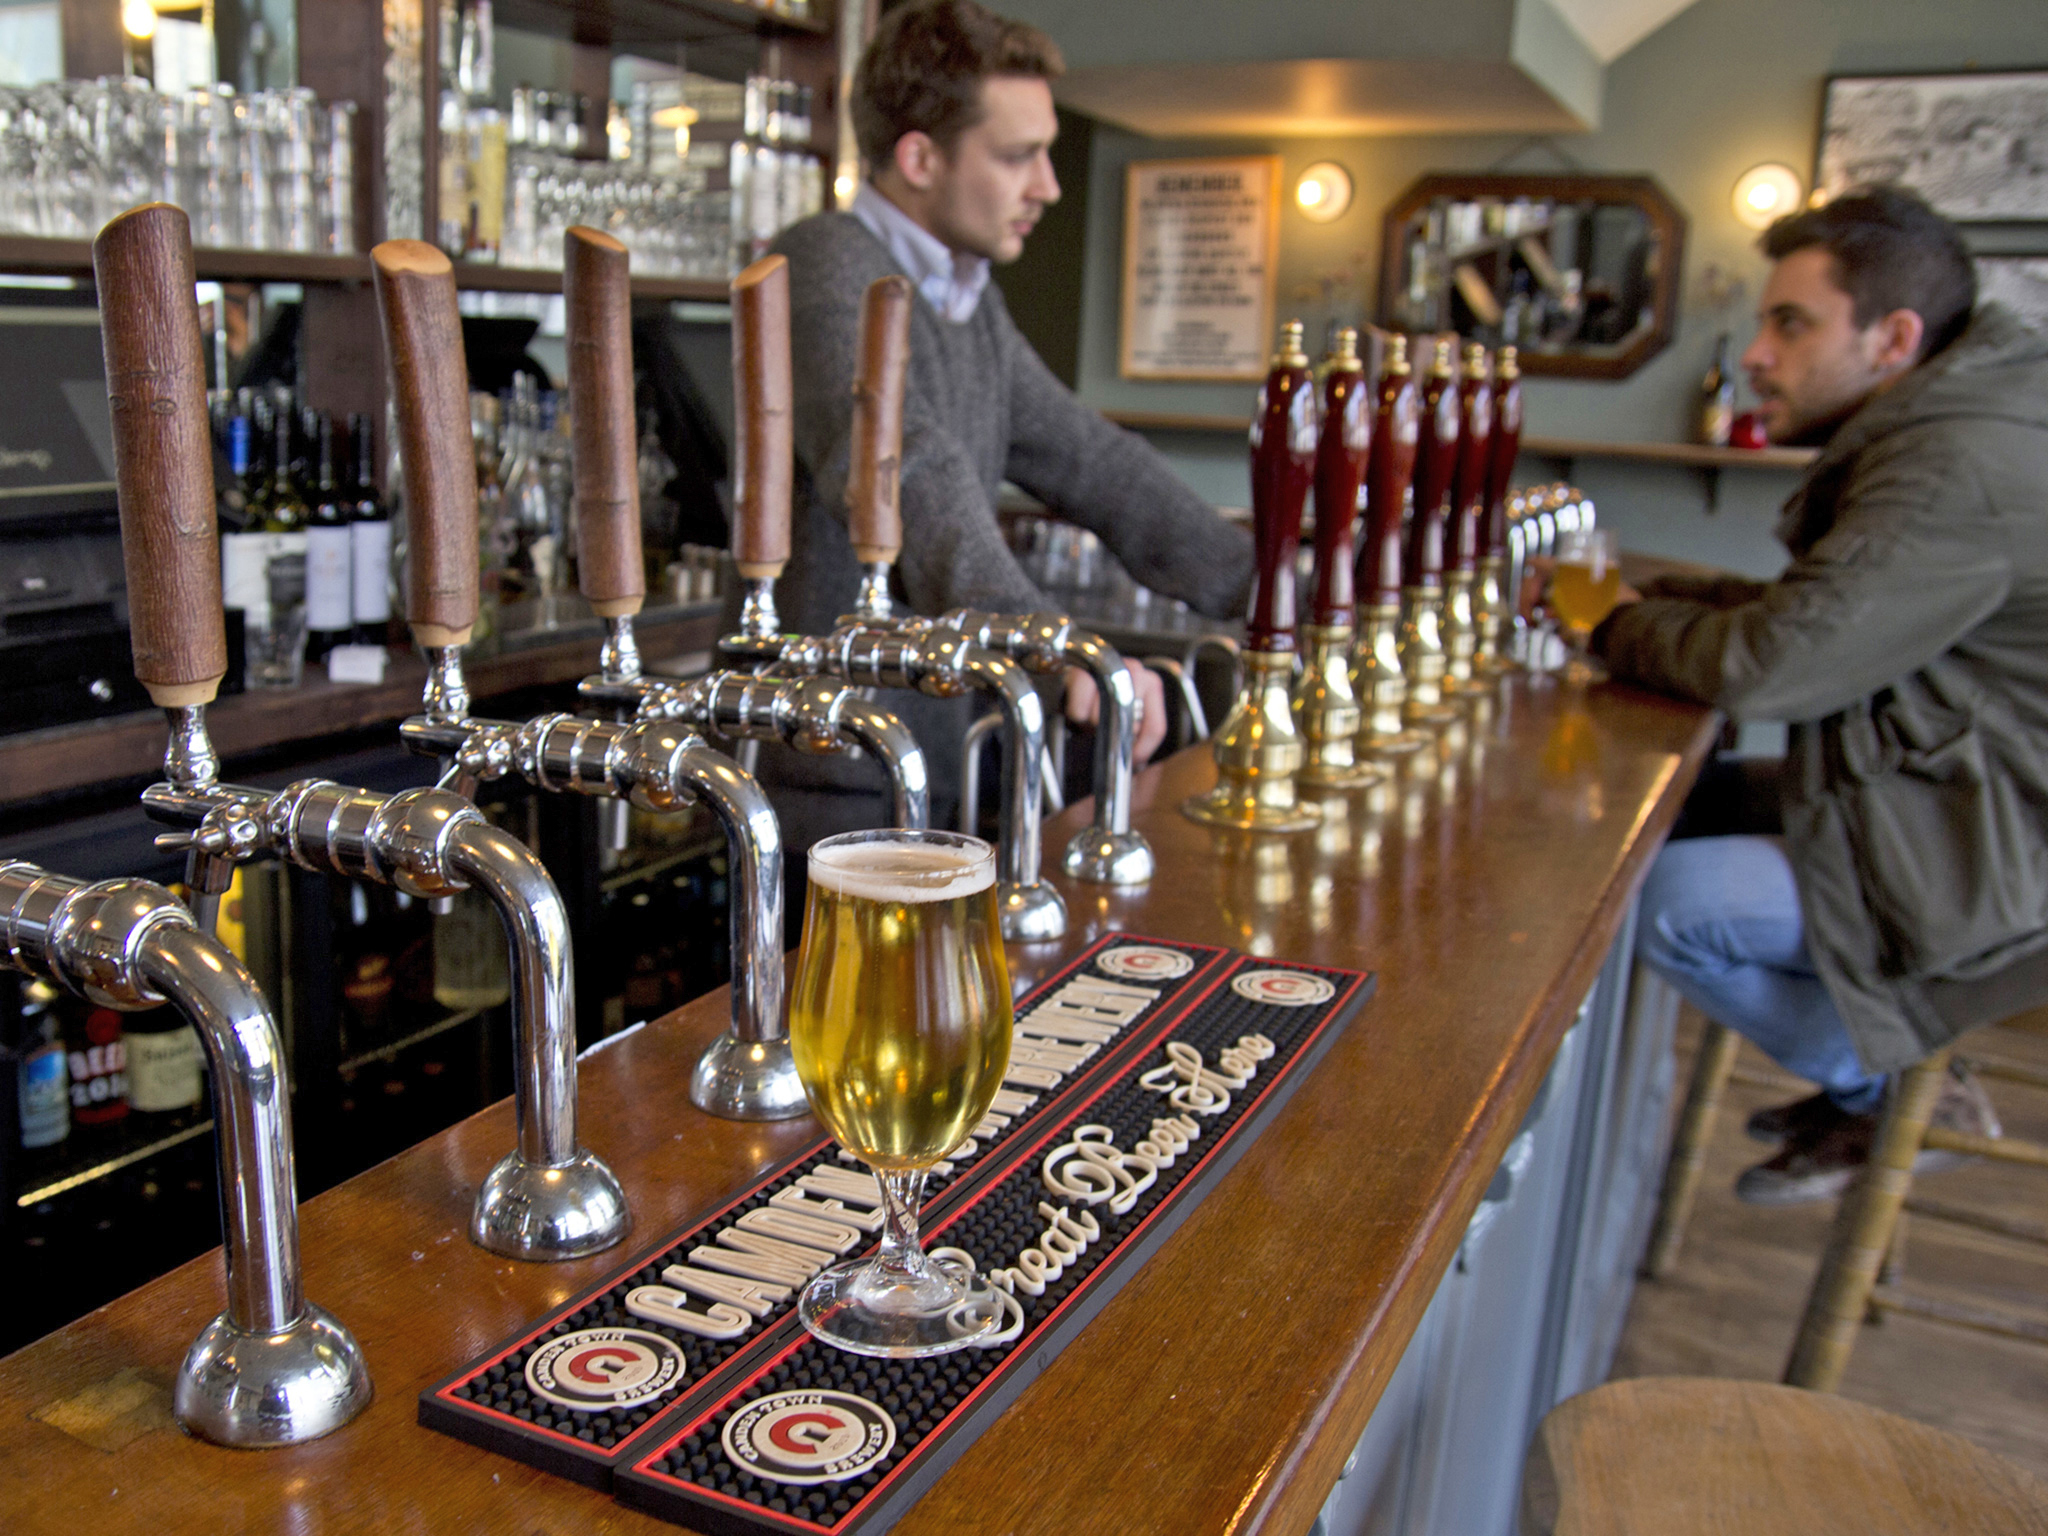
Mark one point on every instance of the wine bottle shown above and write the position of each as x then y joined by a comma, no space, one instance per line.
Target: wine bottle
163,1061
42,1073
330,590
1717,400
369,540
244,547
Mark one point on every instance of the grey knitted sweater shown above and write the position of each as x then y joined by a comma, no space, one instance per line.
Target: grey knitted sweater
979,408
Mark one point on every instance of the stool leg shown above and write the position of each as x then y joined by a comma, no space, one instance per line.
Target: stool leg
1862,1234
1710,1071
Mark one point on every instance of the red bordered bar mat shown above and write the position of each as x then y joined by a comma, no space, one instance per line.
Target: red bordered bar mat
582,1390
805,1438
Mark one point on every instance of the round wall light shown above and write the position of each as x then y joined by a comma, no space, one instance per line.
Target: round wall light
1764,193
1323,192
138,19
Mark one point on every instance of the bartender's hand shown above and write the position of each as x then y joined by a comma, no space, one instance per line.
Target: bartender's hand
1084,707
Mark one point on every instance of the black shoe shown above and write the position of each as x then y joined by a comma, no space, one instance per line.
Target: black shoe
1805,1117
1816,1165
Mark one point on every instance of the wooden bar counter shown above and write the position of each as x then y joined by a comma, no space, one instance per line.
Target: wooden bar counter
1221,1390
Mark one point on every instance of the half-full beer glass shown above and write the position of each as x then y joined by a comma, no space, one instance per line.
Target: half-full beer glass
899,1018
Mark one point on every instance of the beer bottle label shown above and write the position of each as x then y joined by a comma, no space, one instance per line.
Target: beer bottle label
163,1070
99,1071
45,1097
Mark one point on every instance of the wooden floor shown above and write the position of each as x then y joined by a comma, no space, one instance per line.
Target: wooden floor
1731,1306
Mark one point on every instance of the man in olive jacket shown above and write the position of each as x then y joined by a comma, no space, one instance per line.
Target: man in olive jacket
1907,646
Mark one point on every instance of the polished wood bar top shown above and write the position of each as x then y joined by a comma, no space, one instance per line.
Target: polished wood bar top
1220,1391
63,758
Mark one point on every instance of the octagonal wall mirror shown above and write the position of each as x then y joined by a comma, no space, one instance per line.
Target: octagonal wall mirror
1580,273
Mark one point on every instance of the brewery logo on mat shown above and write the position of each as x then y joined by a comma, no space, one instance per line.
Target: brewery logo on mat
809,1437
598,1369
1143,962
1289,989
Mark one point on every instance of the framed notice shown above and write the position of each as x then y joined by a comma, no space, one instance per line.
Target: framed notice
1201,243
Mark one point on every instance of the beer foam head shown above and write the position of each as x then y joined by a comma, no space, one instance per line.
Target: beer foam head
902,870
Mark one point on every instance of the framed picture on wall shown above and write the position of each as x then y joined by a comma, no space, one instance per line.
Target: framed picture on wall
1201,248
2020,283
1975,145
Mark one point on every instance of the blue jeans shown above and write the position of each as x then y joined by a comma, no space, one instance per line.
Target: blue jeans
1721,922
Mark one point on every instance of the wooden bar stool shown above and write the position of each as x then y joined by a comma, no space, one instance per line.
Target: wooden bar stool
1681,1455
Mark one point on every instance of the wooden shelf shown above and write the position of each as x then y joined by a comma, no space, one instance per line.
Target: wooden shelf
35,256
1685,455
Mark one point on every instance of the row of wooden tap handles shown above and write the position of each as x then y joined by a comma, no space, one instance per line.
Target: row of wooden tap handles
1400,621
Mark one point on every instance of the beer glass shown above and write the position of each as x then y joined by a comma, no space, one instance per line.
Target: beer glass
899,1018
1585,585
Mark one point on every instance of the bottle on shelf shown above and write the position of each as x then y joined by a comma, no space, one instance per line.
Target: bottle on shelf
330,578
244,547
42,1069
98,1060
284,509
369,541
1716,419
163,1065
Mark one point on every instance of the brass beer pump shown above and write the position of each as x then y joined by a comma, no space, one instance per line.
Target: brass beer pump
1493,603
1258,751
1465,527
1377,681
1423,661
1325,709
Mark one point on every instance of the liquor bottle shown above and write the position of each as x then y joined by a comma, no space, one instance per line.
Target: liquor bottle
330,595
42,1072
1717,400
369,541
244,547
484,136
98,1061
163,1061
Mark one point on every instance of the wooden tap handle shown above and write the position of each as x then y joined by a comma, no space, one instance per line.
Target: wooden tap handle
1468,485
163,453
1341,456
764,449
1283,464
606,458
1391,471
430,386
874,512
1435,463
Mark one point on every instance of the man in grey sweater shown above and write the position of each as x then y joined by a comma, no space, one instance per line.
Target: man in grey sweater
954,115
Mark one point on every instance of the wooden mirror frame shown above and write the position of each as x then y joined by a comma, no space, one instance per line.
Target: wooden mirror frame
1667,224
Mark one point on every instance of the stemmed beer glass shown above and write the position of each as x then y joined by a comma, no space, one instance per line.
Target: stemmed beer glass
1585,585
899,1018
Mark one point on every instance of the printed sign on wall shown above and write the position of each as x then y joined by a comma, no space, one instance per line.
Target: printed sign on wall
1200,247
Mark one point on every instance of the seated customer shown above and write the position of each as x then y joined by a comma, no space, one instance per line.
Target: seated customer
1907,644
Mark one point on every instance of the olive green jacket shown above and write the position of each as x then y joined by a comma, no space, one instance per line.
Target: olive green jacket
1907,645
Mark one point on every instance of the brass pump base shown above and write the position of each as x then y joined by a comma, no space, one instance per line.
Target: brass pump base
1258,754
1422,656
1326,712
1461,634
1379,687
1490,610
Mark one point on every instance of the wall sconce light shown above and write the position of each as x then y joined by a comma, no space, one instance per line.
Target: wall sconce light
138,19
1323,192
1764,193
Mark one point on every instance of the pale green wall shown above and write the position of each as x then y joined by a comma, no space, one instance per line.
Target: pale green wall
1724,85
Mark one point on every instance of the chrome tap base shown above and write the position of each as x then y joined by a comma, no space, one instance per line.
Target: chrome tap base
255,1390
739,1079
1379,687
1327,714
543,1215
1030,913
1258,754
1108,858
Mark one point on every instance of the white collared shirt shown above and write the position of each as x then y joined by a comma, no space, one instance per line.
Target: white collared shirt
950,280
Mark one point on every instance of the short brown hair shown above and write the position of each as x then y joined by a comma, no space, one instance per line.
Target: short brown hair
923,72
1891,252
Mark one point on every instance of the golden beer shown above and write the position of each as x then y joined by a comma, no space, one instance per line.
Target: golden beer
899,1014
1579,597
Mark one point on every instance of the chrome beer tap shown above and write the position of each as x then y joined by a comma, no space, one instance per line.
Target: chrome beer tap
1495,595
273,1369
1107,851
808,715
1466,525
548,1199
937,659
1423,661
747,1073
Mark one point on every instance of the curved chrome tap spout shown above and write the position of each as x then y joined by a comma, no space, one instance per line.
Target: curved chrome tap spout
272,1369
